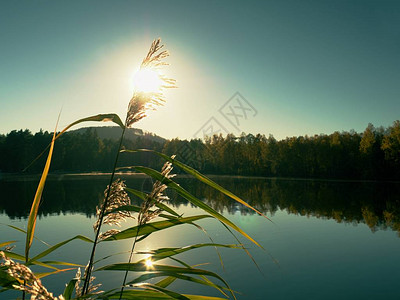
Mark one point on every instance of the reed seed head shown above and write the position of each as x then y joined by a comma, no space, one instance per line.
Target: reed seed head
29,282
92,287
143,101
117,198
155,196
108,233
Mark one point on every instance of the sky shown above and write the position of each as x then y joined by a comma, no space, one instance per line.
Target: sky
286,68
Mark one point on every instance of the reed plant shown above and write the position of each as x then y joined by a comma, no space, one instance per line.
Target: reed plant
155,214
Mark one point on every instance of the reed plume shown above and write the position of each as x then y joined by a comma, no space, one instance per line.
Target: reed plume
141,102
144,100
155,196
117,198
93,288
30,283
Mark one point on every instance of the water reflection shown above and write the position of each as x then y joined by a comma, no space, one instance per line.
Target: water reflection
375,204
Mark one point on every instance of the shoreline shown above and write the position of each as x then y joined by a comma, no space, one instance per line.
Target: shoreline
99,175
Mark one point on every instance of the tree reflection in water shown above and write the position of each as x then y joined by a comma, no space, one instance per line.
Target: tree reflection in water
377,204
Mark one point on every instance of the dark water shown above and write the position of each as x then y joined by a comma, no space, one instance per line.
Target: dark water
328,240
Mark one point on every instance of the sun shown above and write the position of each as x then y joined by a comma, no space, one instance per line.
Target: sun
148,262
147,80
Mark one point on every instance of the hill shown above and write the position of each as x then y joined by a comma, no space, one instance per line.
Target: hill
114,133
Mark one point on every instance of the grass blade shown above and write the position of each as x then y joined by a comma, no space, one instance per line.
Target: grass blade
160,205
22,258
24,231
185,194
167,292
38,196
6,243
140,267
153,227
44,274
168,252
140,295
177,276
69,289
51,249
201,177
7,281
97,118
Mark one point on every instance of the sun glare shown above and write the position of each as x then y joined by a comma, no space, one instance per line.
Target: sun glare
147,80
148,262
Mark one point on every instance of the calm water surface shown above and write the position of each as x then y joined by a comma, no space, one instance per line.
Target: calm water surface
328,240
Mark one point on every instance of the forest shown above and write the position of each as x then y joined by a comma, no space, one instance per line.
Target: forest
373,154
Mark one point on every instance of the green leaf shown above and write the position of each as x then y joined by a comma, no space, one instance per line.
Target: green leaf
148,294
192,199
69,289
165,291
176,276
168,252
140,267
201,177
62,263
153,227
7,281
6,243
160,205
138,295
44,274
97,118
137,209
137,193
24,231
46,264
36,200
22,258
51,249
166,281
167,209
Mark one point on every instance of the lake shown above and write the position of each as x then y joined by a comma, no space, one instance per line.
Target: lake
327,239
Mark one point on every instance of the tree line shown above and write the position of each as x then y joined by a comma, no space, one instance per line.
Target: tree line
372,154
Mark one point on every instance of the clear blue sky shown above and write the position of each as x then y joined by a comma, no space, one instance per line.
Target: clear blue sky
306,67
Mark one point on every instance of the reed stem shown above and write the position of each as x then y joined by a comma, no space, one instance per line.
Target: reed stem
85,287
129,261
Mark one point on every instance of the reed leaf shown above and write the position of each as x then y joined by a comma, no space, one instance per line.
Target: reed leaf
69,289
149,228
6,281
44,274
46,264
160,205
35,205
62,263
168,252
165,291
201,177
97,118
140,267
6,243
166,281
135,208
178,276
140,295
24,231
192,199
55,247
